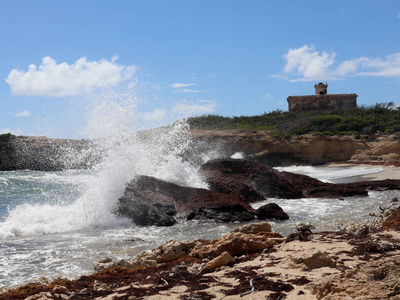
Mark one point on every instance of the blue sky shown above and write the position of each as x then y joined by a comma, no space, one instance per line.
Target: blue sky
64,63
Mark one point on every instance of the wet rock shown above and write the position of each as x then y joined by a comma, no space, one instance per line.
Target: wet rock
271,211
235,243
254,228
222,260
231,175
105,260
151,201
222,213
146,214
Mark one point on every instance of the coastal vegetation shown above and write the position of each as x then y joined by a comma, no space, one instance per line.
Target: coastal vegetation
363,120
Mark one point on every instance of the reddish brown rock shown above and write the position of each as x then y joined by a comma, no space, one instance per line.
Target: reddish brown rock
151,201
230,175
235,243
222,260
271,211
222,213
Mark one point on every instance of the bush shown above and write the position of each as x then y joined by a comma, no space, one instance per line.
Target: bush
369,120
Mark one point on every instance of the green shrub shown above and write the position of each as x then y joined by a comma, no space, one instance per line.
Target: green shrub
383,117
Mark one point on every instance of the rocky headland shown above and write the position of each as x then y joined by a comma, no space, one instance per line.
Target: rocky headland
42,153
307,149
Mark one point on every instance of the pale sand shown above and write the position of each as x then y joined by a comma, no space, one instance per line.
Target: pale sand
388,171
280,266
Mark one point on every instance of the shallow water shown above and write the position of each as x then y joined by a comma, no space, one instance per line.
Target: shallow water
53,225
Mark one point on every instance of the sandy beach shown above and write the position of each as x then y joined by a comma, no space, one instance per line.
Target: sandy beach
388,171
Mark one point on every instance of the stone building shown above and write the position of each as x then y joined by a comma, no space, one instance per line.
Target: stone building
322,100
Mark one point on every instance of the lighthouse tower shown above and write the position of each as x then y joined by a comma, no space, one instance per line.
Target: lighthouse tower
321,89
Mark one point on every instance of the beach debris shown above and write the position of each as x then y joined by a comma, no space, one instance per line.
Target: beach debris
303,232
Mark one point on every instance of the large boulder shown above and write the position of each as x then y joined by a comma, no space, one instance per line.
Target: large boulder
151,201
145,214
271,211
235,243
233,175
222,213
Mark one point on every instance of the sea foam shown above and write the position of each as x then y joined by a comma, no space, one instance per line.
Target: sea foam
125,153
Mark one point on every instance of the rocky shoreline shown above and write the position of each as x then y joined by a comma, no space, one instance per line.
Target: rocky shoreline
233,185
46,154
251,262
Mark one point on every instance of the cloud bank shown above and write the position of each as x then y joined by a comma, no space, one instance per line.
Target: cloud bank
307,64
181,85
61,80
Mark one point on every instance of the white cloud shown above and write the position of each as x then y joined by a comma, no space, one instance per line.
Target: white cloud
194,108
181,85
387,67
60,80
398,15
25,113
156,115
306,64
206,101
188,91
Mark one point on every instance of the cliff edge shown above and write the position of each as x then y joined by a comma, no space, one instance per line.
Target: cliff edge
307,149
46,154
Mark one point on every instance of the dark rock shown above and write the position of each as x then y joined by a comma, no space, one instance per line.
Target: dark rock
271,211
232,175
222,213
7,155
147,196
46,154
145,214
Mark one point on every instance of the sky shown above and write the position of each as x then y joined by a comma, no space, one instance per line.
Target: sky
72,68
